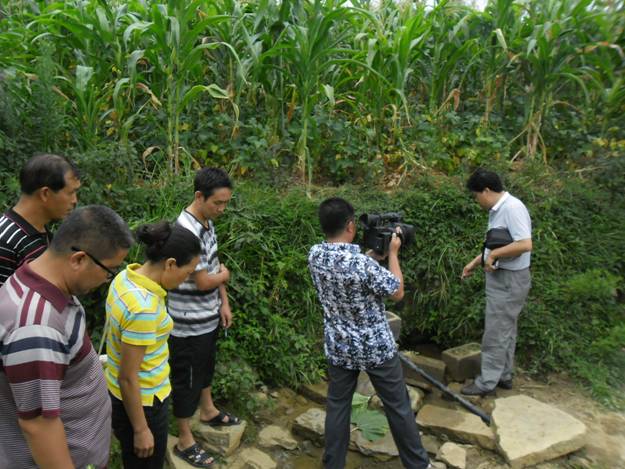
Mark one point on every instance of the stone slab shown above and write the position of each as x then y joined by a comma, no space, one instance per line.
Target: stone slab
274,436
530,432
311,424
431,444
222,440
252,458
453,455
463,362
433,367
317,392
416,395
382,449
456,425
364,385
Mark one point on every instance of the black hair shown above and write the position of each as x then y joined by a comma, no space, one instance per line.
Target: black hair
334,214
163,240
45,170
95,229
482,179
207,180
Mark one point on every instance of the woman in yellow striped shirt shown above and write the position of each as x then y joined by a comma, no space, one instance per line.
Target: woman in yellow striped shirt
137,369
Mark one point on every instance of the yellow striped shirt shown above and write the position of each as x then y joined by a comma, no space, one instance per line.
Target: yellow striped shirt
137,314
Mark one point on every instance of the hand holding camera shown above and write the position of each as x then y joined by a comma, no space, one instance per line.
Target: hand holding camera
379,231
395,243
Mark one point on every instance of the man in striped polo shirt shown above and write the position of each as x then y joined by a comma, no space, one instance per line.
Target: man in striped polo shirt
48,185
197,306
54,405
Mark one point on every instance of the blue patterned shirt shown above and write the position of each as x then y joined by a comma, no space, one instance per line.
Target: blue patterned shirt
351,287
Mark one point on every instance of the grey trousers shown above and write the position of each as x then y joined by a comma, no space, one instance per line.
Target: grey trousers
506,292
388,381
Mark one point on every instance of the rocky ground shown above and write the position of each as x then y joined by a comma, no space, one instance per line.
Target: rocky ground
287,433
546,425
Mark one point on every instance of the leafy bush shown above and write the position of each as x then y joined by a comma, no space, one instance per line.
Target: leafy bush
573,319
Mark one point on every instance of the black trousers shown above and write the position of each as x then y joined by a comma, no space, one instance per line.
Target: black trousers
158,421
388,381
192,365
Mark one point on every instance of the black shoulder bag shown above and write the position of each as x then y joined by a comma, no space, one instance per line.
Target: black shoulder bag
496,238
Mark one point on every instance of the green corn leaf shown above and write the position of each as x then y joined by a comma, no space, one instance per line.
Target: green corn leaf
329,92
83,75
212,89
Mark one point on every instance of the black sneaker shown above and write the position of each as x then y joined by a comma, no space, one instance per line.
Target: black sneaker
505,384
473,390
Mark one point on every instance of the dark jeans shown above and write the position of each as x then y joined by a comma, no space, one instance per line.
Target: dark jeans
157,418
388,381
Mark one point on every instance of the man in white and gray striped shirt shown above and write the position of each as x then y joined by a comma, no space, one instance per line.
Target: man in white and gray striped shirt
197,307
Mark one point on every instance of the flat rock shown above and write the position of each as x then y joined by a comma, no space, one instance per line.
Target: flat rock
438,465
311,424
222,440
317,392
417,398
382,449
364,385
430,443
457,425
530,432
252,458
275,436
433,367
453,455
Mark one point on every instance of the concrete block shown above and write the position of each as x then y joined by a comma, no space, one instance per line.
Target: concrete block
463,362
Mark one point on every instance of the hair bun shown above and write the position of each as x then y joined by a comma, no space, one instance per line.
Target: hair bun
154,236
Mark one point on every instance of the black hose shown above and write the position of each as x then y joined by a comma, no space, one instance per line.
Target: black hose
476,410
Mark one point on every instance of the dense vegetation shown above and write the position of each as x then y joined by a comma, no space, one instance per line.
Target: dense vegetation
394,103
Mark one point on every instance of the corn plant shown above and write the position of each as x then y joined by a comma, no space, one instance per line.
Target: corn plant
173,43
550,65
391,42
312,48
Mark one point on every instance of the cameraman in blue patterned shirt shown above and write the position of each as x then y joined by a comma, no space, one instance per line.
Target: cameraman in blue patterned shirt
351,288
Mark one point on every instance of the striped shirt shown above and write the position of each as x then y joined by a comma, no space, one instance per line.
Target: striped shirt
194,311
49,368
19,241
137,315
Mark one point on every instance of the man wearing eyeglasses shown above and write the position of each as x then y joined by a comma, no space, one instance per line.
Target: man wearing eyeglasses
54,406
48,186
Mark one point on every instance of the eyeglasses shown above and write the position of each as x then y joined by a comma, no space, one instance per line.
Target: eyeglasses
110,273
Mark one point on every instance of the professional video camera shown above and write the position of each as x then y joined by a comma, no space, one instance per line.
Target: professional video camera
379,228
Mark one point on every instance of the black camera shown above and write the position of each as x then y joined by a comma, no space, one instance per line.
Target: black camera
379,228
